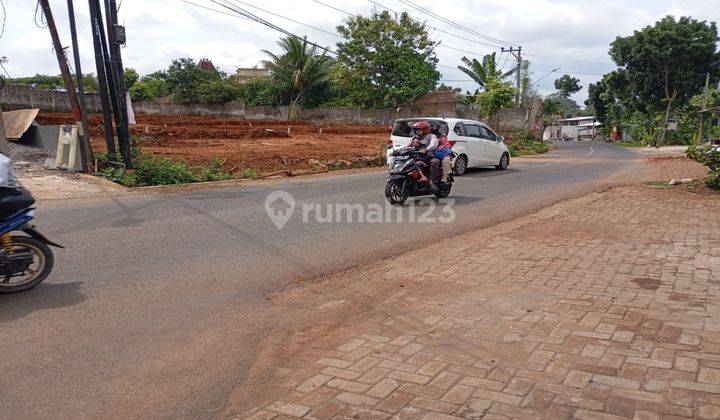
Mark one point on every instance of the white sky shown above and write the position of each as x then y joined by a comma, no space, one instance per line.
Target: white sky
576,34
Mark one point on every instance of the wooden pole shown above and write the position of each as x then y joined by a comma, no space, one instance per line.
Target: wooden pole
65,72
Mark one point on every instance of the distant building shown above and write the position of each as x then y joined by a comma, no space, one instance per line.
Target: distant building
579,128
206,64
245,75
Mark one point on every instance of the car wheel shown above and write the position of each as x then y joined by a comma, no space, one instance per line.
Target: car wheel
460,165
504,162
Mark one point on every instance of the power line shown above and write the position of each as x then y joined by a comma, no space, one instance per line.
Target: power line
454,24
436,28
215,10
242,12
568,59
287,18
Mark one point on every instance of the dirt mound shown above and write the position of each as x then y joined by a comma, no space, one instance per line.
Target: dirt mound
265,145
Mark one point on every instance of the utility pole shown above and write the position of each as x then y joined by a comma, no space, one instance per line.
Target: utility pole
4,148
517,53
706,93
86,146
116,37
97,32
67,79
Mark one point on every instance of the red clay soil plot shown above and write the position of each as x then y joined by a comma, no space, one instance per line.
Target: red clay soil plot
241,143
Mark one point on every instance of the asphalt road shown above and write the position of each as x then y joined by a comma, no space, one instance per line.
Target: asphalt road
157,306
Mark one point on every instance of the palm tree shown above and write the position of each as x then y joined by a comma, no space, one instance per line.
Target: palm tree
298,69
483,73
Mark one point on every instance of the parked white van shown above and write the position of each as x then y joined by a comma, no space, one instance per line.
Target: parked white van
474,143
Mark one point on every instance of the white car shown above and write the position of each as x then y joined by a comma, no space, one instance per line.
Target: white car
473,142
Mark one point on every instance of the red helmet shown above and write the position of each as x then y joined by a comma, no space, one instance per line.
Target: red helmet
422,126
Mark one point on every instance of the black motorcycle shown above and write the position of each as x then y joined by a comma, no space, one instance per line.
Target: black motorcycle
405,176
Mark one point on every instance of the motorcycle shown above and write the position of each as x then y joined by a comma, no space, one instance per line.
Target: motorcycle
25,260
404,178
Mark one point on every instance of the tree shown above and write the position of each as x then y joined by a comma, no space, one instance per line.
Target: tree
385,61
551,108
261,92
300,70
497,95
567,85
485,72
130,77
184,78
666,63
611,99
150,87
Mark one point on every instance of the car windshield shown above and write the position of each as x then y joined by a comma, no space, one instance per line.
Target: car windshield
404,128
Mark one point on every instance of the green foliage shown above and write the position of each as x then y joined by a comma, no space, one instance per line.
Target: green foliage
150,88
665,64
385,61
567,85
214,171
118,175
42,81
300,73
130,77
158,170
250,173
485,72
261,92
526,142
713,180
497,95
218,91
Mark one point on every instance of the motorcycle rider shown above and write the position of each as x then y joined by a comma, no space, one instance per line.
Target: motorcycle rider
415,145
429,142
12,196
443,151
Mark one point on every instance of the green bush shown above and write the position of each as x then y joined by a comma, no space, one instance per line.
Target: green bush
214,171
250,173
526,142
711,157
158,170
713,180
119,176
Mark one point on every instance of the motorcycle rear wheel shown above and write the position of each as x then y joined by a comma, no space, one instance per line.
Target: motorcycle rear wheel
395,192
43,261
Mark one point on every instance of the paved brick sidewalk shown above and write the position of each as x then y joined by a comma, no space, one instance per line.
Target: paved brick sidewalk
602,307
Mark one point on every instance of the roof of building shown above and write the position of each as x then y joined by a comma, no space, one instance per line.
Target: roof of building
578,118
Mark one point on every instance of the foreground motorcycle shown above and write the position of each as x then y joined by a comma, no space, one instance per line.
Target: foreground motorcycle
404,178
25,260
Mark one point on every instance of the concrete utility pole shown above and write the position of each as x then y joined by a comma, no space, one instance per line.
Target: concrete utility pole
706,94
116,37
4,149
97,32
67,80
86,145
517,53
